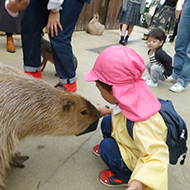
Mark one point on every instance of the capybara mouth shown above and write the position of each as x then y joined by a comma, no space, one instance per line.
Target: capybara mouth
90,128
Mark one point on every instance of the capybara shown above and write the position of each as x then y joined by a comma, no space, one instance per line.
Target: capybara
31,107
47,55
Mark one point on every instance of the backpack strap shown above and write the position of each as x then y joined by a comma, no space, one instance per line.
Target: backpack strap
130,125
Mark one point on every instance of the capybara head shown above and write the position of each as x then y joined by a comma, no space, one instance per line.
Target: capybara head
32,107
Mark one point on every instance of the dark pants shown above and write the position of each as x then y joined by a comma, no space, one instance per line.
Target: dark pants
34,20
109,152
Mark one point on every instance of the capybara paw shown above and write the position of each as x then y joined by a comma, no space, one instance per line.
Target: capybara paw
18,160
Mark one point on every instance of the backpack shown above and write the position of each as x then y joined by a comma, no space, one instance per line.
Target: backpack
177,131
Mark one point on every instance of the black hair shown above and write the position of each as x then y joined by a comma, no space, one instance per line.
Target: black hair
158,34
105,86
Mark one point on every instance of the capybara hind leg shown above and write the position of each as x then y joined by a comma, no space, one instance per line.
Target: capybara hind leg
43,64
18,160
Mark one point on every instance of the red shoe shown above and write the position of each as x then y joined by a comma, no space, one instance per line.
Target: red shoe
108,178
37,74
68,87
95,150
71,87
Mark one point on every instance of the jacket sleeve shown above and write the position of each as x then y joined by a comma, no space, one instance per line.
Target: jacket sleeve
55,5
142,7
165,60
152,165
13,14
124,5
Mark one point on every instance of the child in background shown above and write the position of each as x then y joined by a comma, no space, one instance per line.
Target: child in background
141,162
160,64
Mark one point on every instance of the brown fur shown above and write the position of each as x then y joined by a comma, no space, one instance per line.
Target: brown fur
47,55
29,107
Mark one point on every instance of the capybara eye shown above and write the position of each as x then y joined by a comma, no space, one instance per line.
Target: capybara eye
84,112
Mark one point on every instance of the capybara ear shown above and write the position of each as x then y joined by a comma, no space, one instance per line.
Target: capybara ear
67,105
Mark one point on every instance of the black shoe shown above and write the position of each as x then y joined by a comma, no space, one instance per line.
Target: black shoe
170,36
123,42
171,40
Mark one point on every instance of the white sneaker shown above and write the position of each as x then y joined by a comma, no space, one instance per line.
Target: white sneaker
177,88
147,77
170,79
151,83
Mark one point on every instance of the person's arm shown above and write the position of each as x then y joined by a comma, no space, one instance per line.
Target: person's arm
14,6
165,60
54,17
142,6
104,110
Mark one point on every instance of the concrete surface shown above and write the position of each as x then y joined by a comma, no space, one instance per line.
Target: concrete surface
58,163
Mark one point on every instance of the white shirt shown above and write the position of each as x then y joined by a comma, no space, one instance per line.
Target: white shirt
54,5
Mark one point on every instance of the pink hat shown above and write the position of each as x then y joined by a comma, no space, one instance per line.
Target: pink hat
122,68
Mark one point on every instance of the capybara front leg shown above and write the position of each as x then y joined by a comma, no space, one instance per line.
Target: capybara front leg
18,160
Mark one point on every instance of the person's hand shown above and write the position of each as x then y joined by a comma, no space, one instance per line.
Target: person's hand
104,111
17,5
136,185
53,23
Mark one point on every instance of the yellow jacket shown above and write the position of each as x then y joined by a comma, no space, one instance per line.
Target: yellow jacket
146,155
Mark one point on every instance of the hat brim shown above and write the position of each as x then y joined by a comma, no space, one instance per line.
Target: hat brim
90,76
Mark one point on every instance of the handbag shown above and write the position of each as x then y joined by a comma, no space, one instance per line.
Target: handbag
152,10
94,27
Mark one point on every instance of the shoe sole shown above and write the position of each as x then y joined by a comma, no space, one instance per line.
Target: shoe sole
119,185
95,153
177,91
11,51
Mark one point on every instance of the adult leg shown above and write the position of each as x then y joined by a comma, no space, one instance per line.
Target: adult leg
61,44
34,20
181,59
123,31
130,30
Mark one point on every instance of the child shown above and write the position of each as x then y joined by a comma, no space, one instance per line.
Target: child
141,162
160,64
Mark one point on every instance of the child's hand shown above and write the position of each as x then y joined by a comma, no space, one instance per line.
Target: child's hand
104,111
53,23
136,185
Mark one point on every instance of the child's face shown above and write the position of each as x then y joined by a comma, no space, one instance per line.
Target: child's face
153,43
108,96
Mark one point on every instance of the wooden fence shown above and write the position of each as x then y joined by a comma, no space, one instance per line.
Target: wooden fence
107,9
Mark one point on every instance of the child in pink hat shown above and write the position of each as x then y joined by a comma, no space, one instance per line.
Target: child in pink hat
138,163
